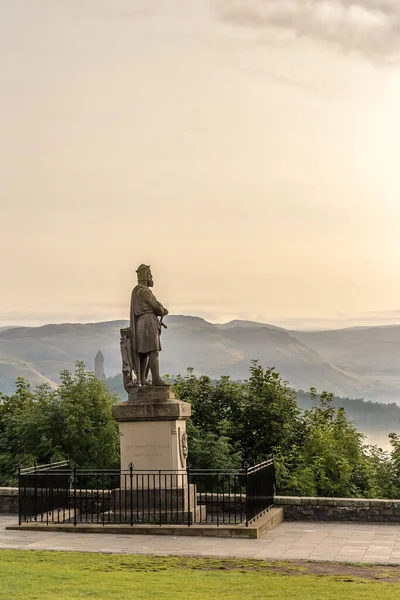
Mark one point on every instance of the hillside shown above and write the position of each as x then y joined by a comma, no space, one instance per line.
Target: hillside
227,350
373,350
211,349
10,369
52,348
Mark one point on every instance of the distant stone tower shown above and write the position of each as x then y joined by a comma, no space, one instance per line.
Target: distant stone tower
99,366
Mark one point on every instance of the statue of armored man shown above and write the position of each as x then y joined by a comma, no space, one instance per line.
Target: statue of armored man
140,343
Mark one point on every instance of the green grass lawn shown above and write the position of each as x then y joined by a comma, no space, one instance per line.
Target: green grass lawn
66,575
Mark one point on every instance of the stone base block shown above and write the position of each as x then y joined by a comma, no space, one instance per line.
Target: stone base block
150,500
172,505
152,403
269,521
155,517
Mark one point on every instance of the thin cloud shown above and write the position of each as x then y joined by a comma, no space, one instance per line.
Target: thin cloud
281,80
117,9
369,27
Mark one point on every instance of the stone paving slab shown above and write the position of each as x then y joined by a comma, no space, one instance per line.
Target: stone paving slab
344,542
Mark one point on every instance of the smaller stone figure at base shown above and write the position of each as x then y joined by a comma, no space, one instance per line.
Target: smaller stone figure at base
140,343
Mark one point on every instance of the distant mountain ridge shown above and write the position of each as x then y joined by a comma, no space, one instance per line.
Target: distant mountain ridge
11,368
346,362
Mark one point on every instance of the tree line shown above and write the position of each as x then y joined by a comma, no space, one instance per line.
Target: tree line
317,452
369,416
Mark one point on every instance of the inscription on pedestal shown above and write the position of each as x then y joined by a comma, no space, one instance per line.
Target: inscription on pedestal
148,450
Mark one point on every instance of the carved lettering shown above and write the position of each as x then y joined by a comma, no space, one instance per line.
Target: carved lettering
152,446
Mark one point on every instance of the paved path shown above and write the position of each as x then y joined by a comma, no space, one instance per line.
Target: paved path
313,541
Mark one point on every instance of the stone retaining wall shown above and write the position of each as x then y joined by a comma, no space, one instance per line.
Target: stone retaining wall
295,508
8,501
339,509
85,503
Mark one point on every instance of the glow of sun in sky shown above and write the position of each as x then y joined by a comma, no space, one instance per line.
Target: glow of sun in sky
247,150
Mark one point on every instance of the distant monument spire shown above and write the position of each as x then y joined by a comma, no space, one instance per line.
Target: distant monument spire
99,366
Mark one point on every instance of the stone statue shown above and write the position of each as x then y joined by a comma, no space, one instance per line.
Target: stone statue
140,343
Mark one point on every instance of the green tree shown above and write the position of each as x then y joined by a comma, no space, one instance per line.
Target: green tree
215,411
395,458
383,473
334,450
15,444
89,433
294,475
44,425
270,417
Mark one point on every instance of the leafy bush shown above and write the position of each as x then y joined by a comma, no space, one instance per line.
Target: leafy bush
44,425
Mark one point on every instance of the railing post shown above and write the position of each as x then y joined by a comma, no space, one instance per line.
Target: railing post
131,490
159,497
274,477
19,496
35,491
188,482
74,475
246,474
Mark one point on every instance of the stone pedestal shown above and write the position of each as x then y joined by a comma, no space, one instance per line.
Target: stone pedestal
153,433
153,438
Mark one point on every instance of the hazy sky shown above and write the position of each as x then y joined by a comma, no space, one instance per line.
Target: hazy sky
248,150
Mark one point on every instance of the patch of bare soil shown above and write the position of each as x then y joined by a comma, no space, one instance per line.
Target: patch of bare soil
342,571
372,572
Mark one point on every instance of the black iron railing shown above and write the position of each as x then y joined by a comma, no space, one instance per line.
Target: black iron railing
62,494
260,489
43,489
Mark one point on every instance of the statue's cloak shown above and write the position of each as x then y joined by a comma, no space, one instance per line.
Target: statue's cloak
133,343
145,327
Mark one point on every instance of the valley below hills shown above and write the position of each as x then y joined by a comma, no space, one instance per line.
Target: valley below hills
360,362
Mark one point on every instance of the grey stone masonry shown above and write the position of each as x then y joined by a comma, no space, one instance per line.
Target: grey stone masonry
8,501
360,510
152,403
